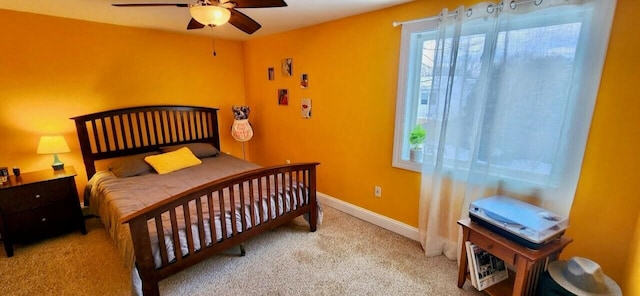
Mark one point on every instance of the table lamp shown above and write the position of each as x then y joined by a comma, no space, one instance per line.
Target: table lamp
53,145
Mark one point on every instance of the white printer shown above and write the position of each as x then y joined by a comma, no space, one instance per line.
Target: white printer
519,221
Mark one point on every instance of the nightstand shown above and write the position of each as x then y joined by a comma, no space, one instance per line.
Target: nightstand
529,264
39,204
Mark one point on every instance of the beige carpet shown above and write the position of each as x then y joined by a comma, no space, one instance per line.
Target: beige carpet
346,256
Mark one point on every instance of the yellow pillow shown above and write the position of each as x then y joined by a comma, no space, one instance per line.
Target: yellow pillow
172,161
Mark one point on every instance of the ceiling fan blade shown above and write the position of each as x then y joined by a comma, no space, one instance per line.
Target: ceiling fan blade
150,4
258,3
193,24
243,22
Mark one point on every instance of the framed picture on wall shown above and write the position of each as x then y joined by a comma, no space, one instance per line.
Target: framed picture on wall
304,80
271,73
305,108
287,67
283,97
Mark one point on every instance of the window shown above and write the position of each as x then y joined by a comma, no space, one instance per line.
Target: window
416,64
531,94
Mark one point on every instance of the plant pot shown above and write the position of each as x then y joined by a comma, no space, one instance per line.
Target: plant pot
415,154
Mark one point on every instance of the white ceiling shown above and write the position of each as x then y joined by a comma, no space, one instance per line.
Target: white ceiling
298,14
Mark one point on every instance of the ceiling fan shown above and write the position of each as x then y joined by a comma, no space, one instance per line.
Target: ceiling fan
217,12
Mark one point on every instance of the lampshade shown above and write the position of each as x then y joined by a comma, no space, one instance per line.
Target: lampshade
209,15
53,145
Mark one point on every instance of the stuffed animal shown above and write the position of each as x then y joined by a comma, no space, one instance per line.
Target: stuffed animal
241,129
240,112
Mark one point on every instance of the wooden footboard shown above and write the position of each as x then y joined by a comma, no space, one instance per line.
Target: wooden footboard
197,220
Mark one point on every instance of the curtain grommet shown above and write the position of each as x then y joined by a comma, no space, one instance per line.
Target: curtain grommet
513,5
490,8
469,12
537,2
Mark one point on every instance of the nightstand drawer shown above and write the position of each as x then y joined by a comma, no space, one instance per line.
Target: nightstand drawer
40,222
35,195
500,251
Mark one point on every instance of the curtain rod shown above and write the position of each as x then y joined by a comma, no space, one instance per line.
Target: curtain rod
513,4
395,24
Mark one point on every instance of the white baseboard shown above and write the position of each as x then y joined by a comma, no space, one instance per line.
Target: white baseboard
369,216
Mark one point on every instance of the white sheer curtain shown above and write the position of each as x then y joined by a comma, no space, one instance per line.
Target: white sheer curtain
512,93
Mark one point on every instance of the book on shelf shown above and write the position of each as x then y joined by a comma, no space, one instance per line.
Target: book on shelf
470,264
488,269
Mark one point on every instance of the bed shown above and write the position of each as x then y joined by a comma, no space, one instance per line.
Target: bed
163,223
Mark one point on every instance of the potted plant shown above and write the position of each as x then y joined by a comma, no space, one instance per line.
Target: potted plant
416,138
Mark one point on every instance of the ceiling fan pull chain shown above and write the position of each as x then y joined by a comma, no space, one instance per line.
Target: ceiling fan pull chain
213,41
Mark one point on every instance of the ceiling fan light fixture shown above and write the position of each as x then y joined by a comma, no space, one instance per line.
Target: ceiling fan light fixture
209,15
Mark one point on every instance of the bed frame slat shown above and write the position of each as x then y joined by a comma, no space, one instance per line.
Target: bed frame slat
161,241
252,205
290,190
277,190
188,232
243,211
260,197
234,223
223,215
272,212
212,219
177,251
201,234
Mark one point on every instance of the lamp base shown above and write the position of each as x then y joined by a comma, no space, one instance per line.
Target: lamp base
57,164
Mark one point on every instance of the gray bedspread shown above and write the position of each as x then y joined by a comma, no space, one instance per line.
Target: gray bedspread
112,198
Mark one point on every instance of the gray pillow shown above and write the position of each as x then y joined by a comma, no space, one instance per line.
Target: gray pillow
130,166
200,150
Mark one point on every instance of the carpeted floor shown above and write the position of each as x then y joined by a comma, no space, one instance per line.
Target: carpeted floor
346,256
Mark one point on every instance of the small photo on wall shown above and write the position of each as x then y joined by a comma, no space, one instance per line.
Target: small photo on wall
283,97
271,73
287,67
305,108
304,80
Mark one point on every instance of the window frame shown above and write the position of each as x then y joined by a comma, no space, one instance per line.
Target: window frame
404,107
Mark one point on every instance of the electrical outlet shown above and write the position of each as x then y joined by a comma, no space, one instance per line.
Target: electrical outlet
377,191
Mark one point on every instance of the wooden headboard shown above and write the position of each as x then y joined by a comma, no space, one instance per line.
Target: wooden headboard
135,130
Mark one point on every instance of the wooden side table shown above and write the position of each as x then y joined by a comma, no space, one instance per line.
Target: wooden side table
39,204
528,263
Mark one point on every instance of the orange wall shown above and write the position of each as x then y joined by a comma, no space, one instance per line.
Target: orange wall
52,69
352,65
633,271
65,68
606,207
